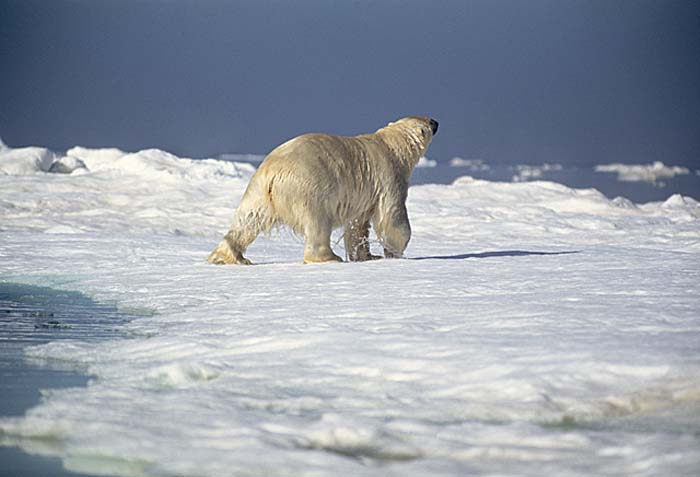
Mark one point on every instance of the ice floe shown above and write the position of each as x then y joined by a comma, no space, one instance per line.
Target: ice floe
470,164
534,329
652,173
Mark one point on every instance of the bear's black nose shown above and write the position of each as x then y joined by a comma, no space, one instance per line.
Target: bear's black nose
433,126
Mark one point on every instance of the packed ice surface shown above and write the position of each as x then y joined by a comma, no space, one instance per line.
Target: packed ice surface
533,329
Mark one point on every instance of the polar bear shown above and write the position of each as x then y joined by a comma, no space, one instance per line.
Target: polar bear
316,183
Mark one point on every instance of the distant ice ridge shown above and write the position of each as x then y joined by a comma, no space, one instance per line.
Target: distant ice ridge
241,157
651,173
149,162
158,164
30,160
25,160
151,190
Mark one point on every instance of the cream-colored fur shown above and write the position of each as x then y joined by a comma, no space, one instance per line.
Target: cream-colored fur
316,183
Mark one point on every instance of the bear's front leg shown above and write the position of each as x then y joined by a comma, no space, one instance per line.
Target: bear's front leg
317,246
357,241
394,231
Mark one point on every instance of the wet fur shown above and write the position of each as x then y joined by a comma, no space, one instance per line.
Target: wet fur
316,183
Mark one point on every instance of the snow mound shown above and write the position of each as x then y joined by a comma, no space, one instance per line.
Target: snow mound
158,165
149,191
624,203
547,194
148,164
25,160
67,165
680,203
540,210
651,173
96,158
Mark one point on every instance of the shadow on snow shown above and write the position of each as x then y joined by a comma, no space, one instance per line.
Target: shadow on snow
503,253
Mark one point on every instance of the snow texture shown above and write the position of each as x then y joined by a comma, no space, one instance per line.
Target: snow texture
25,160
652,173
534,329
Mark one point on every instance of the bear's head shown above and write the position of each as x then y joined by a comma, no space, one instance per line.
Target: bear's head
413,133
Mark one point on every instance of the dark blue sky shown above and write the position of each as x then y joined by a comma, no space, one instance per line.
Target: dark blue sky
510,81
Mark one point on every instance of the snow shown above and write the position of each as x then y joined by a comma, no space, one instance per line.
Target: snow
533,329
25,160
67,165
651,173
158,165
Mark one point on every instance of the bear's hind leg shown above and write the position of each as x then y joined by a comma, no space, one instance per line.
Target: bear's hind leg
230,249
317,246
357,241
243,231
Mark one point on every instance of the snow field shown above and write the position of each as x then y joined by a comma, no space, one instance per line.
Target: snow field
533,330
